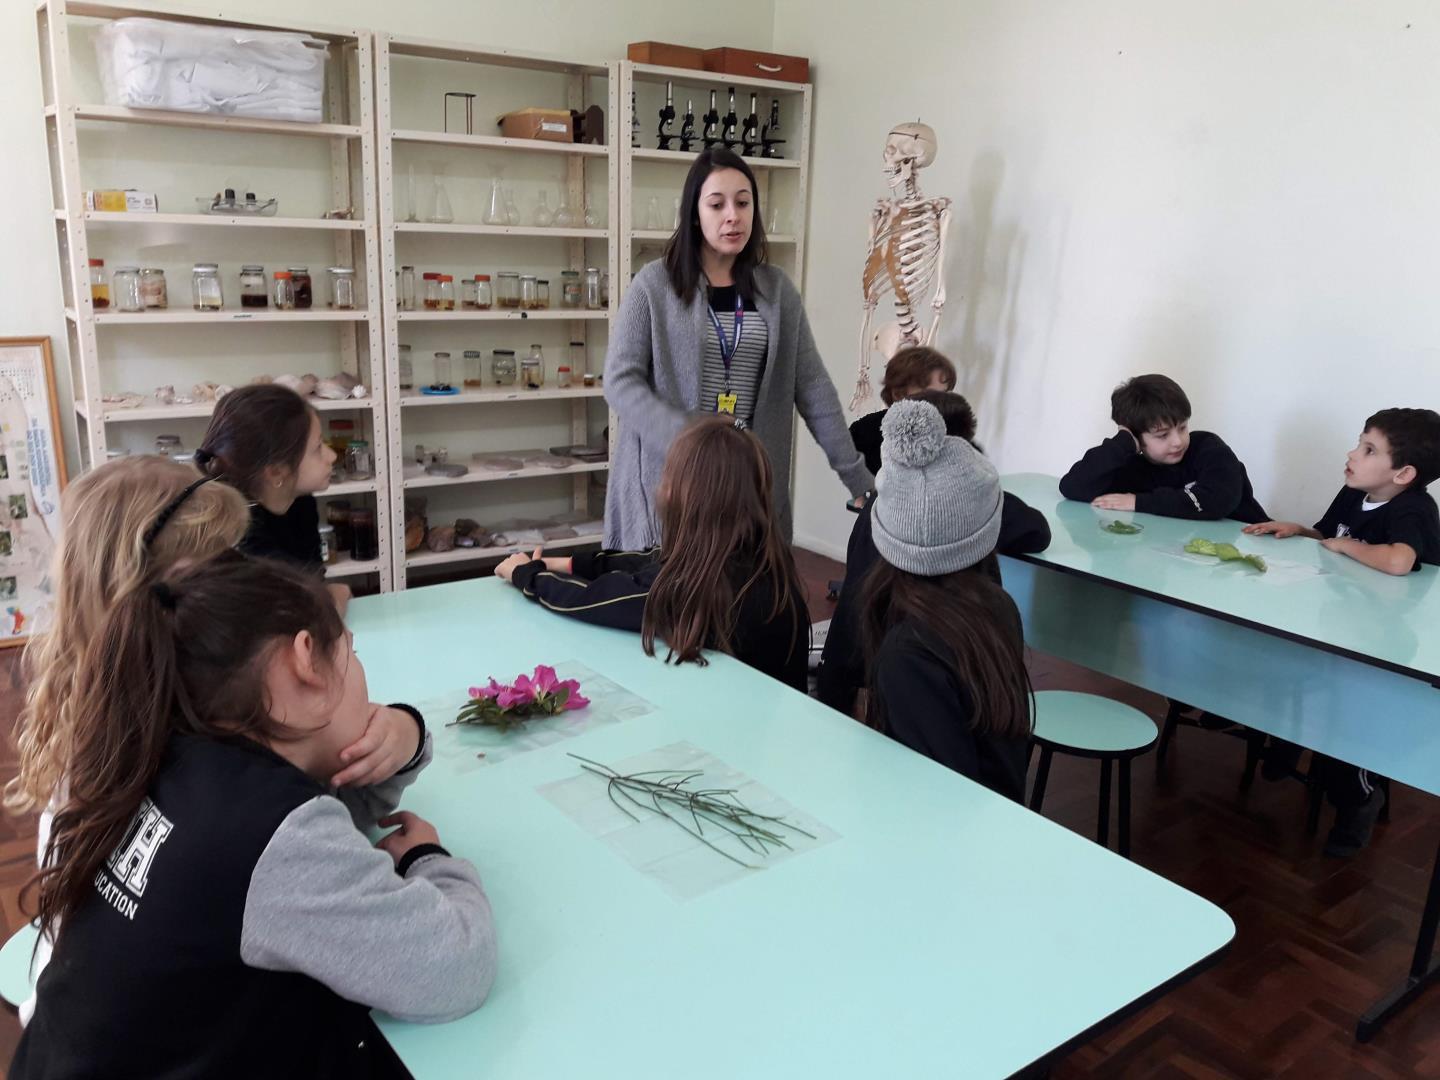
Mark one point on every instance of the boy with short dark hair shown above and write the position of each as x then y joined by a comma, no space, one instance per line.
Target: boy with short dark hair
1384,518
1156,465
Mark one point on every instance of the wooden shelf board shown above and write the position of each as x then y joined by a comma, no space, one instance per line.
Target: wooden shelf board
150,412
425,227
444,50
691,77
550,314
414,399
106,217
344,566
497,142
675,156
211,122
476,476
171,316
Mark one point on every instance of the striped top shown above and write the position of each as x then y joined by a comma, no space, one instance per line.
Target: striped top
748,364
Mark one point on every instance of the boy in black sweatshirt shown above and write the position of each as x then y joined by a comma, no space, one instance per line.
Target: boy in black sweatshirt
1382,517
1156,465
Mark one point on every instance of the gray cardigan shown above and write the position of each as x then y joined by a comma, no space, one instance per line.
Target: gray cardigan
652,381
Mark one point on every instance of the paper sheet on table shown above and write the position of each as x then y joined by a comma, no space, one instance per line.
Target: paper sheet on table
1277,571
660,849
474,746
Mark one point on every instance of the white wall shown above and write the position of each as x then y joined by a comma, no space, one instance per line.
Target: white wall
1239,193
30,301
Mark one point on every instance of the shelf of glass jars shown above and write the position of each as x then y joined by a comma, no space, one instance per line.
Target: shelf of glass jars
148,411
501,230
497,142
249,221
348,487
415,478
409,398
156,317
679,157
662,235
693,77
551,314
477,554
209,121
345,566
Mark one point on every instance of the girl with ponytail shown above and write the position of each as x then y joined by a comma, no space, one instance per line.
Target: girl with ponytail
216,907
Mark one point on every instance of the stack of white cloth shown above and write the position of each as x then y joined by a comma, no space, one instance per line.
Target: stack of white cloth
153,64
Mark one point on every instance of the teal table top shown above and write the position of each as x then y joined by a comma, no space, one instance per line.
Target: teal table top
15,956
938,930
1308,593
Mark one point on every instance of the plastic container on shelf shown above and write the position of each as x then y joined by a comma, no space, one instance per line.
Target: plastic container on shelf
473,372
304,289
529,292
484,292
532,369
502,367
542,288
447,292
406,299
571,294
153,292
125,289
592,288
328,551
99,286
284,290
468,295
507,290
365,541
431,297
254,290
342,288
205,286
407,369
359,464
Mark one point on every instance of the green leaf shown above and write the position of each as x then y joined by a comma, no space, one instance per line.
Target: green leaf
1122,528
1225,552
1200,547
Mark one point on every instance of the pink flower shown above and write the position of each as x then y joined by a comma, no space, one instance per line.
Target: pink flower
512,696
490,692
545,680
573,700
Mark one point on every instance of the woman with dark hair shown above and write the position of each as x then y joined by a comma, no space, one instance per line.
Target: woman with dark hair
714,328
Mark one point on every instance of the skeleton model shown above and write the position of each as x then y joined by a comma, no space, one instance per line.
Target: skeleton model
907,252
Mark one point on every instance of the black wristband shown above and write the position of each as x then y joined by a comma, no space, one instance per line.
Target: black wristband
415,854
420,723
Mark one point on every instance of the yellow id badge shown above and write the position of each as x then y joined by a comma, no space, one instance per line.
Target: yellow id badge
725,403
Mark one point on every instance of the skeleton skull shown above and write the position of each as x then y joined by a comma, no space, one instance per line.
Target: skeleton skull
908,147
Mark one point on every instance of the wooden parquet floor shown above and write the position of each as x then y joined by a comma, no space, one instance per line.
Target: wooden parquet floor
1317,941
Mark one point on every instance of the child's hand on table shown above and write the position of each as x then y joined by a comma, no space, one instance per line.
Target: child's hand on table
413,832
1337,543
1281,530
1114,502
506,570
391,740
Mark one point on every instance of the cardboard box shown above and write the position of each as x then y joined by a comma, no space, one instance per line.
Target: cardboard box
552,125
663,54
128,201
758,65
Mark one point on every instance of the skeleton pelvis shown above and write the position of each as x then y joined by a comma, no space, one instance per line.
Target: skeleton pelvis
891,338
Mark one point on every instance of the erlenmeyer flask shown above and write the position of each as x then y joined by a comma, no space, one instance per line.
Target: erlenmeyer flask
495,213
564,216
592,219
443,213
512,211
544,216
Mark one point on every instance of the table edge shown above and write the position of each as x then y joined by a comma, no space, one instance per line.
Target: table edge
1433,679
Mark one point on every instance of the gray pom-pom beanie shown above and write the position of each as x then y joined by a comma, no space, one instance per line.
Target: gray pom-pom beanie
937,502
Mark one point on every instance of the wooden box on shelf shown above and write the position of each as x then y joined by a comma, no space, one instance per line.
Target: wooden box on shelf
758,65
663,54
551,125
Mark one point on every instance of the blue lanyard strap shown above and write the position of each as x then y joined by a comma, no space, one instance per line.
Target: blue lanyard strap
728,349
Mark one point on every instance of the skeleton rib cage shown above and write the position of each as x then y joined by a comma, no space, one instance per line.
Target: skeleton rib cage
905,258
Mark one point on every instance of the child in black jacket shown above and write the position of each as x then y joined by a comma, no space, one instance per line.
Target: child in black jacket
723,578
1156,465
1384,518
1023,530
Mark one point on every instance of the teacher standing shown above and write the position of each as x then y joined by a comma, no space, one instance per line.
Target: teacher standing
714,328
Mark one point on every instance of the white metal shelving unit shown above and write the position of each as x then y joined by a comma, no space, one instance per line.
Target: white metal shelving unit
782,180
102,345
496,77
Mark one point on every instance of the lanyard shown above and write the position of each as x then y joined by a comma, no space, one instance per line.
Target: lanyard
728,350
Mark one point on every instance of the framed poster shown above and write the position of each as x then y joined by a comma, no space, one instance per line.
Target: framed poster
32,474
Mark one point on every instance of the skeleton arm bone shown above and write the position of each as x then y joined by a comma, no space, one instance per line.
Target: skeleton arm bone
938,303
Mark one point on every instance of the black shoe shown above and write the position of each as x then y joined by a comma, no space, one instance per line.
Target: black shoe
1279,760
1353,826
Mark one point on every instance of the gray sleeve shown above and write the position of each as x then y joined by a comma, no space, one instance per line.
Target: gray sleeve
819,406
367,805
629,383
324,903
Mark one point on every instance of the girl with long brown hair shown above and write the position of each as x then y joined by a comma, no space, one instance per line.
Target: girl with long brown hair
217,908
947,671
124,523
722,578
